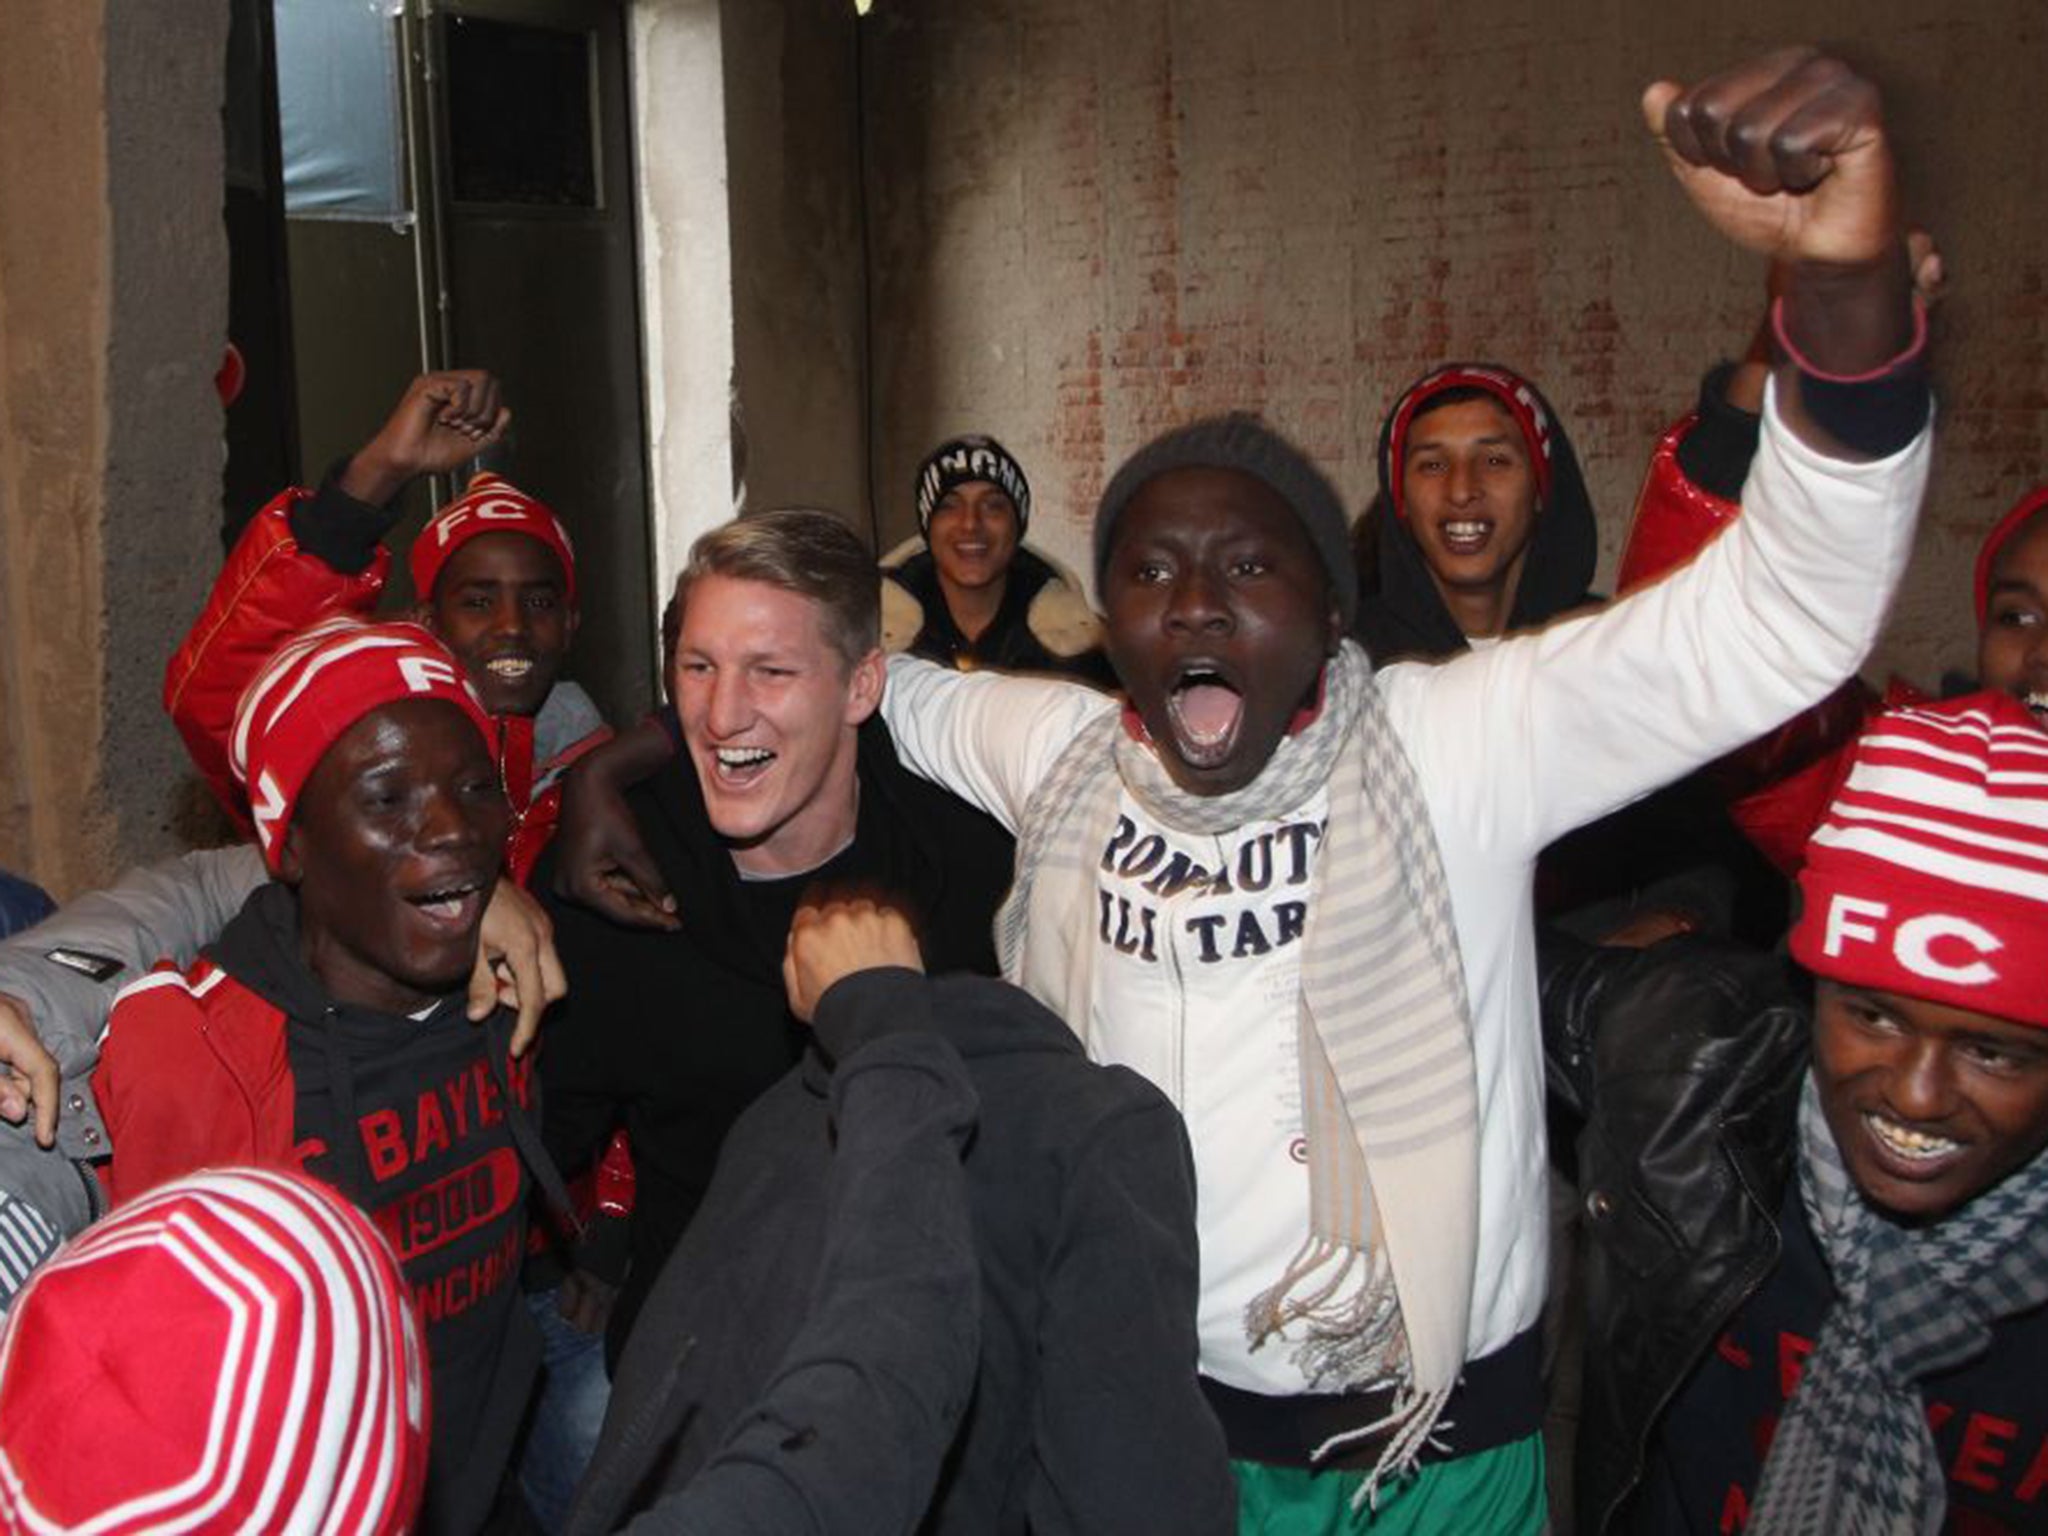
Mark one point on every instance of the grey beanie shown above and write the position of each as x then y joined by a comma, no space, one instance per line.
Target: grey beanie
1242,442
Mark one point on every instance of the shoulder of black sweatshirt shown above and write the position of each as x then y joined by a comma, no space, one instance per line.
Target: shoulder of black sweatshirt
674,1034
1082,1190
408,1118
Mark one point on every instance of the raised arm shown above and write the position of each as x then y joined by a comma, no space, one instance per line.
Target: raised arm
1774,614
986,737
310,555
1787,156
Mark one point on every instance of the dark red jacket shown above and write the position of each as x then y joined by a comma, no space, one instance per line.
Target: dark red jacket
272,587
245,1059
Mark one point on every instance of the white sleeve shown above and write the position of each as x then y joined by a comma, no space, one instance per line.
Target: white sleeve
1545,732
986,737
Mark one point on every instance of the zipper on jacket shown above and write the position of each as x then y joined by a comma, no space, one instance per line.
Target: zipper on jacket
1751,1284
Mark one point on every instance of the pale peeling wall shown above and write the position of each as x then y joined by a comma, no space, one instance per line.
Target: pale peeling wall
1092,222
53,323
113,281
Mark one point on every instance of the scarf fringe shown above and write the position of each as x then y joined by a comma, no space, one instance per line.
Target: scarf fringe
1354,1340
1413,1420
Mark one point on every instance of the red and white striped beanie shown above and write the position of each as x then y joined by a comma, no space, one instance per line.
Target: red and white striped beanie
1515,394
1928,876
318,684
233,1351
492,504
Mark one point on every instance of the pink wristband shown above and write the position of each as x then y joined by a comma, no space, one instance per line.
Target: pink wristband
1897,364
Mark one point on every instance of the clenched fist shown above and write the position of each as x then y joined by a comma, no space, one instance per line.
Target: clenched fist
832,939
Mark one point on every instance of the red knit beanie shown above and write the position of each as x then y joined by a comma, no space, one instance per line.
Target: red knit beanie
1928,876
490,505
1515,396
321,682
234,1350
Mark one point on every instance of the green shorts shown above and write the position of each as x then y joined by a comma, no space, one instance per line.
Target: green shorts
1491,1493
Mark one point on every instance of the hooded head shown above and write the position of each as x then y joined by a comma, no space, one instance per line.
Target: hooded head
235,1350
1479,488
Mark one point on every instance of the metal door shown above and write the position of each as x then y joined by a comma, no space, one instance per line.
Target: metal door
532,199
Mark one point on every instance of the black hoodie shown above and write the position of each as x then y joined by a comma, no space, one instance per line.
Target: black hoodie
1674,850
674,1034
1085,1416
418,1122
1403,616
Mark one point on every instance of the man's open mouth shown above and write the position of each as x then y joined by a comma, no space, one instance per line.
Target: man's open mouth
510,669
739,766
1205,709
454,904
1465,535
2037,705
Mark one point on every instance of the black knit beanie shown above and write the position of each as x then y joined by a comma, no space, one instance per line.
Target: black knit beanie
1242,442
961,459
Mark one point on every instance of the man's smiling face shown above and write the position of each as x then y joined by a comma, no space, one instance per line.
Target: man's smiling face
394,847
1219,621
770,711
1468,490
501,605
973,534
1929,1104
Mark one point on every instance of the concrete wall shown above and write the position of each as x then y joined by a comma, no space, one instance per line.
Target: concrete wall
113,282
752,269
685,270
792,122
1094,221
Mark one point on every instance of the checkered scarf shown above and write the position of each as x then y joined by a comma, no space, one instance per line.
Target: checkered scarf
1382,1284
1853,1453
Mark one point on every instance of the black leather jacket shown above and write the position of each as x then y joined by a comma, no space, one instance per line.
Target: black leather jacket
1685,1060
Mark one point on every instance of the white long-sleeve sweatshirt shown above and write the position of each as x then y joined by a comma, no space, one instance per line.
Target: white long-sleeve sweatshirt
1513,746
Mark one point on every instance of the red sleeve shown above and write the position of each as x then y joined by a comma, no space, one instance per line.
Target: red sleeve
269,589
1674,519
168,1105
1776,788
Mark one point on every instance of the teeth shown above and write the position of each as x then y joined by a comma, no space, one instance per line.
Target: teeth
449,902
1465,530
1908,1142
742,757
511,668
2038,702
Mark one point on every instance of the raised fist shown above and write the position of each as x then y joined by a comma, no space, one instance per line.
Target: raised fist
441,422
1785,155
831,939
